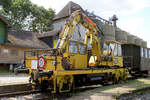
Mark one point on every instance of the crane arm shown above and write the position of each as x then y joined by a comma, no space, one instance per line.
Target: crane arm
78,17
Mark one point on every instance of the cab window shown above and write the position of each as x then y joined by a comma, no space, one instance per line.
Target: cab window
73,47
111,48
119,50
116,50
108,49
82,49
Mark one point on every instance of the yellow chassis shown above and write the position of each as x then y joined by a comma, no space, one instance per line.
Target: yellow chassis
61,77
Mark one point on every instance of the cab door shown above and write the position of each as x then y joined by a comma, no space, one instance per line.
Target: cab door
78,55
82,56
73,51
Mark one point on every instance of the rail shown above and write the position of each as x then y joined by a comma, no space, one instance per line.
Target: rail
11,94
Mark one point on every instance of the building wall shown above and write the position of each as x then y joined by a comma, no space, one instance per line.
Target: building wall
11,54
58,24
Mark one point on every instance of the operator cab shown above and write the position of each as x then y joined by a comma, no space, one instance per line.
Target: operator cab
76,53
112,54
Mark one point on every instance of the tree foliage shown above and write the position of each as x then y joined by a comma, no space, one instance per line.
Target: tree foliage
23,14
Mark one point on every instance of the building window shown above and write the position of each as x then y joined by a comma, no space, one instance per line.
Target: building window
14,52
33,54
5,50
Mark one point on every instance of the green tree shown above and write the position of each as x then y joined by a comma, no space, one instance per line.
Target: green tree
5,4
23,14
41,19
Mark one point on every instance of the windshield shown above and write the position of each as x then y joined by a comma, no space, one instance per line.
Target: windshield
108,49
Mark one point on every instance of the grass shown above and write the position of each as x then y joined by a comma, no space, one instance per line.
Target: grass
5,72
135,85
138,84
117,95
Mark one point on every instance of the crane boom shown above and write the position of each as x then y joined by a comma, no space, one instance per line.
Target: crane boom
78,17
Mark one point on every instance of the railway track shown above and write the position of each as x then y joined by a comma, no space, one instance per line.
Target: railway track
12,94
64,95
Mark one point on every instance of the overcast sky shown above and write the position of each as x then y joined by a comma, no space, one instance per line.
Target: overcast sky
134,15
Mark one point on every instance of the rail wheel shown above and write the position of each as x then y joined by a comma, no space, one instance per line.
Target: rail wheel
116,78
64,83
125,75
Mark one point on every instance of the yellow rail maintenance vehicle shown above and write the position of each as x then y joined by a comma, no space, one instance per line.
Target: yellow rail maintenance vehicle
71,64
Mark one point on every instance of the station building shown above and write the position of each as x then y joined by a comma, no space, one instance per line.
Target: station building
14,42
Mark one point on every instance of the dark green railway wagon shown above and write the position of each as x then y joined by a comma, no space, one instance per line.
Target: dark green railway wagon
131,56
3,31
135,58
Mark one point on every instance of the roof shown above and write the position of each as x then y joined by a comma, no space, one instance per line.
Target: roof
5,21
68,10
23,38
112,41
49,34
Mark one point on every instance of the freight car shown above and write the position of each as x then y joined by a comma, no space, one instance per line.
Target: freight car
136,58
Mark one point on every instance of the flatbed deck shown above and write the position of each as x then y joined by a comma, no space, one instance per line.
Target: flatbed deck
86,71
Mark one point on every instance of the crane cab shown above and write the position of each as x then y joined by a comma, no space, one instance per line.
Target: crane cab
112,54
76,52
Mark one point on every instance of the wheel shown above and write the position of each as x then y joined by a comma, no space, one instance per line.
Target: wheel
115,79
